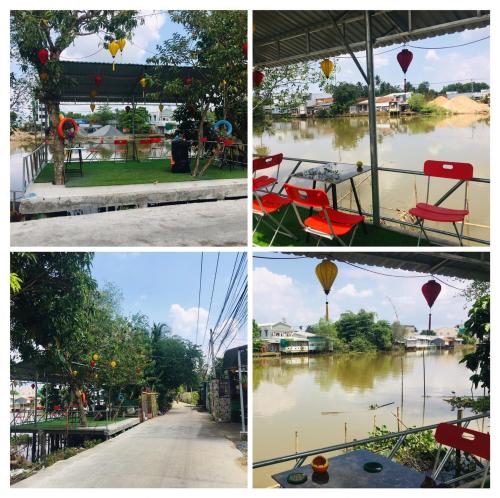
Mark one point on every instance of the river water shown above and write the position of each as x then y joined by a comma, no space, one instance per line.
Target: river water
404,143
318,395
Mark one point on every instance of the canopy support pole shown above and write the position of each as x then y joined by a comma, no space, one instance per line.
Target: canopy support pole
372,119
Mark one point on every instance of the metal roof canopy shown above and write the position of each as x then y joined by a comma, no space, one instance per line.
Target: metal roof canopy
284,37
466,265
33,370
121,85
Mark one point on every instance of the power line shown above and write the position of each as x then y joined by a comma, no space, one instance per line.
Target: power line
211,298
199,299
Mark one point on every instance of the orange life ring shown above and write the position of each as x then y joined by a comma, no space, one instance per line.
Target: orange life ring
61,125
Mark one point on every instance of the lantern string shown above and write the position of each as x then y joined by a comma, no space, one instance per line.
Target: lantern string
427,275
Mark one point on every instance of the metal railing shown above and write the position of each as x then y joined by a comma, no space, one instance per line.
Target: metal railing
389,219
33,163
300,457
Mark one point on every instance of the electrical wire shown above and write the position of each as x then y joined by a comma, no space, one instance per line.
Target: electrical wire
199,299
211,298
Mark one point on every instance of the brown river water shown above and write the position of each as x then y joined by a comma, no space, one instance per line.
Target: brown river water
317,395
404,143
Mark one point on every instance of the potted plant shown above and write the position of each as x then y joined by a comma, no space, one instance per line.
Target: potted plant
359,165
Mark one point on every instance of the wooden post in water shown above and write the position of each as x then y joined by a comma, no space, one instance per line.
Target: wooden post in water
296,442
460,414
397,418
345,435
374,422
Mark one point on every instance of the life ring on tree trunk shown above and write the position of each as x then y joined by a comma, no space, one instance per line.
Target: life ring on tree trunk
227,124
65,126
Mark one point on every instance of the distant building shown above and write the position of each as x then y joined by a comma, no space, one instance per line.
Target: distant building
393,102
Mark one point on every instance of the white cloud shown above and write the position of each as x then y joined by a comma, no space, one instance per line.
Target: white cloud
350,290
431,55
183,321
278,296
381,61
134,51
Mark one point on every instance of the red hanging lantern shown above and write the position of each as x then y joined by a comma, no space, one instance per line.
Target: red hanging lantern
127,108
92,363
188,81
43,55
431,291
245,49
33,386
404,58
98,80
258,78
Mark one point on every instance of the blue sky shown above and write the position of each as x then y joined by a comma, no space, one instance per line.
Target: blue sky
289,289
430,63
164,286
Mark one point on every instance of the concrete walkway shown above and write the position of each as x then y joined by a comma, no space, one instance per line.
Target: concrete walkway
217,223
182,449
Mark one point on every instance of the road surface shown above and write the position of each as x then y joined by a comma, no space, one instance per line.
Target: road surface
182,449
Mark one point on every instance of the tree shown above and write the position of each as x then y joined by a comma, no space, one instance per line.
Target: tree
103,115
56,30
416,102
50,313
286,87
256,340
212,46
139,121
176,364
478,326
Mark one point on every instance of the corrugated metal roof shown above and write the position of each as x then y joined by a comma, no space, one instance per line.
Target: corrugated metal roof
120,85
467,265
288,36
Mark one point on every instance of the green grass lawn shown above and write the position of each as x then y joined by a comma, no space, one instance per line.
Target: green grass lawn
375,236
132,172
61,424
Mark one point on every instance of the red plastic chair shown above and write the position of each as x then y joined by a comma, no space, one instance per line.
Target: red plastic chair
265,205
263,182
328,223
461,438
463,172
120,147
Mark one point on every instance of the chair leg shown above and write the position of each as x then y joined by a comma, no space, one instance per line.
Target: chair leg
285,230
483,482
458,234
257,225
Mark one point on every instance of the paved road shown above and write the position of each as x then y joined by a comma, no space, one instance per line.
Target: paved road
181,449
218,223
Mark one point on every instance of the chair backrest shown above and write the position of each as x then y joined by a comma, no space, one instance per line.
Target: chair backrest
145,141
473,442
155,140
121,142
448,169
307,197
267,162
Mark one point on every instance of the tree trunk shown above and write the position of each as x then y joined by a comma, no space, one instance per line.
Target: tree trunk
57,143
200,135
81,409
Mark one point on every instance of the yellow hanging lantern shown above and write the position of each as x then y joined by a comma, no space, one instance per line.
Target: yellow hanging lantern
326,272
327,66
74,373
113,364
92,106
93,93
121,43
113,48
95,356
161,107
143,82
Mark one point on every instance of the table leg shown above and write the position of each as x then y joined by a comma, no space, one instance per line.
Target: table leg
334,197
358,205
81,161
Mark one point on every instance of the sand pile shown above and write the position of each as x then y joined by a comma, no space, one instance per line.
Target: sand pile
461,105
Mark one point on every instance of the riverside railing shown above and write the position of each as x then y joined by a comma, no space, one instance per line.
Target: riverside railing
299,162
33,163
400,437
